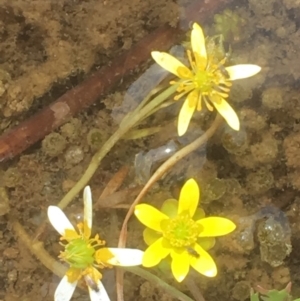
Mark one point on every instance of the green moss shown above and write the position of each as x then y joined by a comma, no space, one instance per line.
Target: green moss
235,142
54,144
95,139
260,181
213,190
230,25
233,187
12,177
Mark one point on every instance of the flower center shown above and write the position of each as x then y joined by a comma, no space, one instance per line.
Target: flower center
79,252
181,231
203,81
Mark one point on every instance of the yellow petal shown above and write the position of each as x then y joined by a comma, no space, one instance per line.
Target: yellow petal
227,112
208,105
198,46
93,273
206,243
169,62
70,235
150,216
156,252
186,112
199,213
189,197
150,236
242,71
170,207
73,274
184,72
103,256
215,226
180,264
204,264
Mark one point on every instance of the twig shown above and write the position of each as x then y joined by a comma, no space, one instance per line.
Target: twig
18,139
118,199
82,96
114,184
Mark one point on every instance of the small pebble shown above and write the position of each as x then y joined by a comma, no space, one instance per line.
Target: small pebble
12,276
11,253
74,155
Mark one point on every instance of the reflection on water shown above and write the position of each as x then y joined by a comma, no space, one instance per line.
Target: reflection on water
141,87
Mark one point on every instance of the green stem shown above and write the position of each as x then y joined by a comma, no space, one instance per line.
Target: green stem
135,117
158,282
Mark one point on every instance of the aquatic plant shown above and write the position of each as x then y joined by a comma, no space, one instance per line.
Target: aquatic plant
213,190
206,80
230,25
182,231
85,255
272,295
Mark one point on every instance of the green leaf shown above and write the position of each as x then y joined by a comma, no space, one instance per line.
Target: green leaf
272,295
254,297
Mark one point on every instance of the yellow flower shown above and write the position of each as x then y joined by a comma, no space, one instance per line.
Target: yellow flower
85,254
207,80
182,231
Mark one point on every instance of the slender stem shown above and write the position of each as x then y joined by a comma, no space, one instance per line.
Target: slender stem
193,288
164,168
144,101
93,166
129,121
158,282
99,155
37,249
162,106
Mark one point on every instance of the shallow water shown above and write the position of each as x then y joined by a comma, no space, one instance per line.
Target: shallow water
49,47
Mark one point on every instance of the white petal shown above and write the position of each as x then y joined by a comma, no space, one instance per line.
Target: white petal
242,71
64,290
58,220
100,294
88,206
126,257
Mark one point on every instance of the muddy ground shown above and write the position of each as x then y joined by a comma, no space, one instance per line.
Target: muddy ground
47,47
